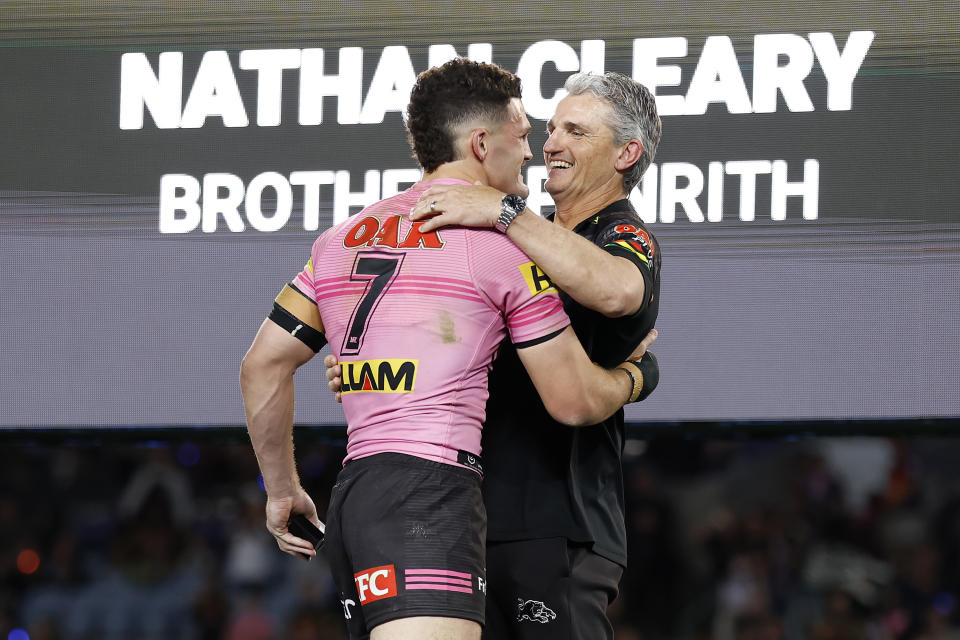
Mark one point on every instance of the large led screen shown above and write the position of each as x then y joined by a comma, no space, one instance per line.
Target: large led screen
165,170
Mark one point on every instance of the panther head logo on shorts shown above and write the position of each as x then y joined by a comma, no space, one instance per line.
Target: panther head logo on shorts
534,610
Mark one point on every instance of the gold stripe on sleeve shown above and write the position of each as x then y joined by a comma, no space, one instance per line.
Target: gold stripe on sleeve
300,307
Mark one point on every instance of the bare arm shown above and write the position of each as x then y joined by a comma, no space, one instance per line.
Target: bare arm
596,279
576,391
266,382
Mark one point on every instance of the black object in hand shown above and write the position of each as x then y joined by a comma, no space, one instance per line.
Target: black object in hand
303,528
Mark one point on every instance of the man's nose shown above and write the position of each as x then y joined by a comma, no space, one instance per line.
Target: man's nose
551,145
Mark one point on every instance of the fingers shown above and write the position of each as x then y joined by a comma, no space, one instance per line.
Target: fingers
334,384
446,205
295,546
426,208
435,222
289,543
649,339
333,374
429,203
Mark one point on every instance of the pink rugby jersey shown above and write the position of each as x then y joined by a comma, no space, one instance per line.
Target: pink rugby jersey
415,320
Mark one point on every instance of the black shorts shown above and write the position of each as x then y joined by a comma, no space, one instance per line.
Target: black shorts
405,537
549,589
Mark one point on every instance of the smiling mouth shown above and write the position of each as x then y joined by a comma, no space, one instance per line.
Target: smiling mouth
559,164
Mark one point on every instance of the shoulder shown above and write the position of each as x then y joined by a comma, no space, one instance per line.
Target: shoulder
622,224
621,231
485,242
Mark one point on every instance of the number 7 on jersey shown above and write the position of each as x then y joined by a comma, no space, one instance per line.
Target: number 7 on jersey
379,270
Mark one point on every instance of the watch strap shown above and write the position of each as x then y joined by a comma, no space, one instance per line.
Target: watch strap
513,206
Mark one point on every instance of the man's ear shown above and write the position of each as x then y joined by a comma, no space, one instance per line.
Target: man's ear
630,155
478,144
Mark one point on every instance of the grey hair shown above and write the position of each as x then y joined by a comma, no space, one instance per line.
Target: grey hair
633,115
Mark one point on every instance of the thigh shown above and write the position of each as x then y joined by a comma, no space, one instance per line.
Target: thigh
545,589
594,585
337,557
432,628
411,534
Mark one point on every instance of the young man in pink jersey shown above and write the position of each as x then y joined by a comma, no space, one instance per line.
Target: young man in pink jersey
415,320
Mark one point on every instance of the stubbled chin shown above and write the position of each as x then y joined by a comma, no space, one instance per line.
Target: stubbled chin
554,176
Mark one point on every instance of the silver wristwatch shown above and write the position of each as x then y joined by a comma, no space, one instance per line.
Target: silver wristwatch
513,206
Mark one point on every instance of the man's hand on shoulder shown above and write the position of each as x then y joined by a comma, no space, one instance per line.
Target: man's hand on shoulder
456,204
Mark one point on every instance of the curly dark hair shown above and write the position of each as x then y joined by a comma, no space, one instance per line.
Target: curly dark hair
446,96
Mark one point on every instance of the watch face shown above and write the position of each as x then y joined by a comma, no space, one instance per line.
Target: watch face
515,202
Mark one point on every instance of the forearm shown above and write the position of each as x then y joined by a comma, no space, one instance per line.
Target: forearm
596,279
588,274
575,391
604,391
642,373
268,398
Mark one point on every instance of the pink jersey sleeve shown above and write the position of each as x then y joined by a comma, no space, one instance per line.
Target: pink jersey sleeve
305,281
518,287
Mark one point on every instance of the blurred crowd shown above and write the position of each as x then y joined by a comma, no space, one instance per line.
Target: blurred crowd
816,539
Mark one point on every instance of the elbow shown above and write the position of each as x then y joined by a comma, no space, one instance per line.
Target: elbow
577,411
622,301
578,419
255,369
617,307
248,373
